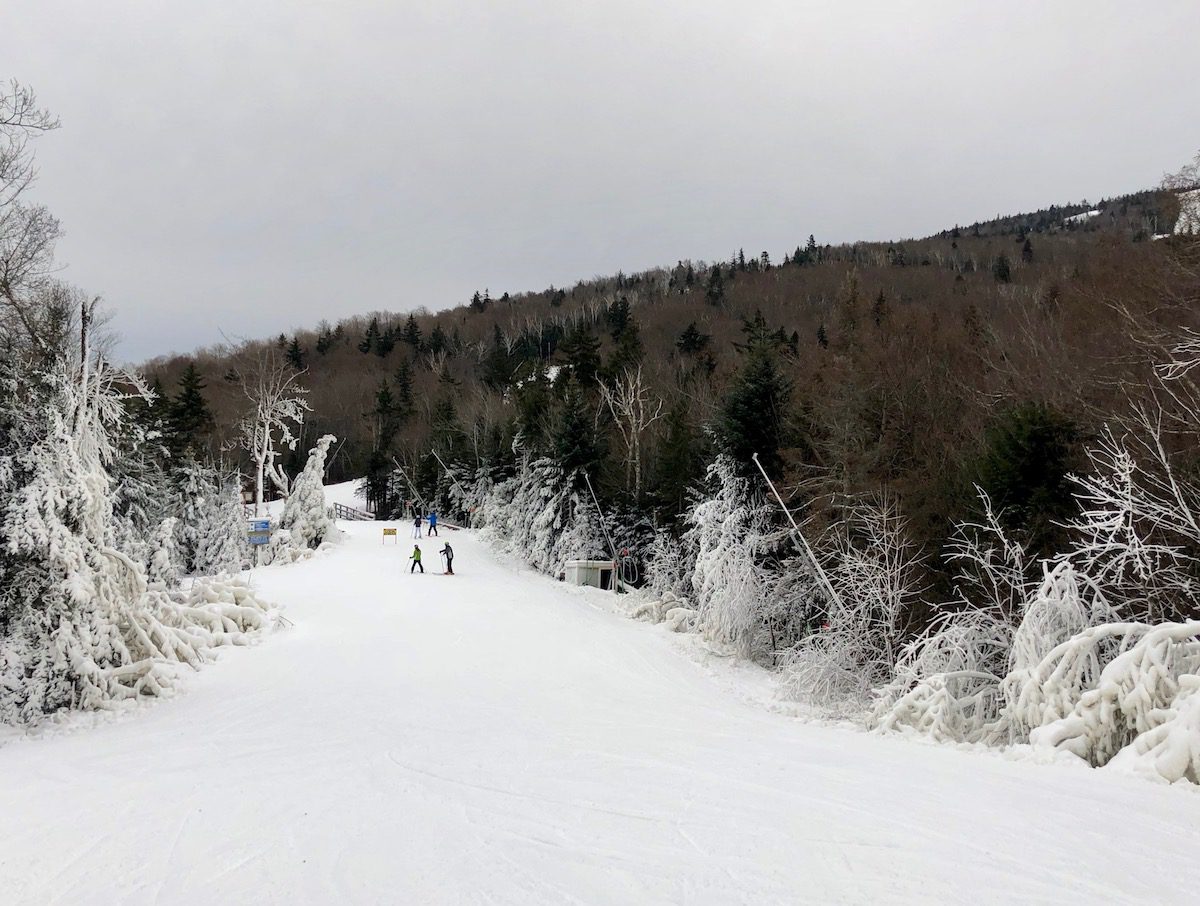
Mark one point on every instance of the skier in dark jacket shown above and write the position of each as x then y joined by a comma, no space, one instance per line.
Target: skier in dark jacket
448,553
417,526
416,560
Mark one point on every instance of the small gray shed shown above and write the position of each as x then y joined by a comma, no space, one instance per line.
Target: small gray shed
597,573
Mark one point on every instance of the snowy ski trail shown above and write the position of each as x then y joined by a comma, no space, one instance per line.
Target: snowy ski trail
497,737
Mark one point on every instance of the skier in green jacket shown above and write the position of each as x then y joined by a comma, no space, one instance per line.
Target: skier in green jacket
416,560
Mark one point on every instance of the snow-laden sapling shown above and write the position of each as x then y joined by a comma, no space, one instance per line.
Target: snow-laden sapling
1147,684
728,532
82,627
305,513
872,571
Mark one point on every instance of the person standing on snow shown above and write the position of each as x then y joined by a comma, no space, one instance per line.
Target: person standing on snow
433,523
416,560
417,526
448,553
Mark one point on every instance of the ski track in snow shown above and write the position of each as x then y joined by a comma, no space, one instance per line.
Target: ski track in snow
496,737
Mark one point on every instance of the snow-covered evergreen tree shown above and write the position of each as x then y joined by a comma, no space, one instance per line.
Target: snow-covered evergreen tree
211,525
80,625
728,532
305,515
539,516
221,542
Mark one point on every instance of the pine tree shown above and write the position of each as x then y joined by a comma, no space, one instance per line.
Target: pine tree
1001,270
386,343
1029,451
371,338
477,302
403,402
628,352
295,354
1027,252
879,309
437,340
581,352
679,463
446,430
189,419
534,405
497,366
753,410
324,339
412,333
384,415
714,293
575,443
618,317
692,340
822,337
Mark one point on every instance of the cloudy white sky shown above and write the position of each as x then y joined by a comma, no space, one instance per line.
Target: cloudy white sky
255,166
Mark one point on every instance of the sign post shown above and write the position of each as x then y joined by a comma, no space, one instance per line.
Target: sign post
258,535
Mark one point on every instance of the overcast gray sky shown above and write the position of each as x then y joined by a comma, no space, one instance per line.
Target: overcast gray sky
256,166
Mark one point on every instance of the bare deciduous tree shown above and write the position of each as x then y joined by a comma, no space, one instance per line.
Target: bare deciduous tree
633,410
27,232
277,407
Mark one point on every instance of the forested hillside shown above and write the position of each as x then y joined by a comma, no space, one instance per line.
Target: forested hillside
988,354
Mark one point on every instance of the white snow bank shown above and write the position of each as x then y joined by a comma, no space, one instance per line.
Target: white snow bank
1083,217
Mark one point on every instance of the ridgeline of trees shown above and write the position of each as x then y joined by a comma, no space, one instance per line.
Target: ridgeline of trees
986,354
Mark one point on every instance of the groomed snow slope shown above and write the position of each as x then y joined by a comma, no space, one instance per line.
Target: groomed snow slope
496,737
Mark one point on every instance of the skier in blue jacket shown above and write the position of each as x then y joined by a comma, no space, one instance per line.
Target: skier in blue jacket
432,524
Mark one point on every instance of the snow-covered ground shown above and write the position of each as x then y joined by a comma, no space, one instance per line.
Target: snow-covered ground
496,737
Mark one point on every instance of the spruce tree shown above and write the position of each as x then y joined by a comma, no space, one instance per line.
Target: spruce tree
575,443
879,309
496,366
412,333
679,463
752,412
386,342
371,338
714,293
189,418
1029,451
581,352
692,340
628,352
403,401
437,340
295,354
1002,270
618,317
447,432
324,339
384,415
